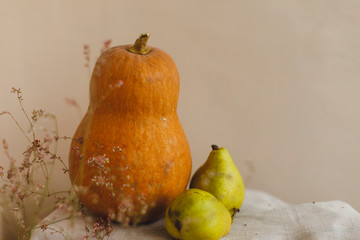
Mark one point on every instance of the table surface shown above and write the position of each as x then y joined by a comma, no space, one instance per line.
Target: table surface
262,216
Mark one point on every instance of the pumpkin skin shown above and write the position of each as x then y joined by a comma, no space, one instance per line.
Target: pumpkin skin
132,124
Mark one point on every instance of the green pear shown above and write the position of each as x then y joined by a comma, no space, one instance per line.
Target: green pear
195,214
220,177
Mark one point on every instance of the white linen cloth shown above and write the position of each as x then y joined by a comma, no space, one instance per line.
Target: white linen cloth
262,216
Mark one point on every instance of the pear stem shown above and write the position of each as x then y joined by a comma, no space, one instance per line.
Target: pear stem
139,46
215,147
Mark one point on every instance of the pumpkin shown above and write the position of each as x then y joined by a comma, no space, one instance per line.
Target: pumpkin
129,156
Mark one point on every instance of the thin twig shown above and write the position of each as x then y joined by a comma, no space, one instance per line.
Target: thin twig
17,123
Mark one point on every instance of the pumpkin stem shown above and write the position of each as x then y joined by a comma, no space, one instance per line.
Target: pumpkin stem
139,46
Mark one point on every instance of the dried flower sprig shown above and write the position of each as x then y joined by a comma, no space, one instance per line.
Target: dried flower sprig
102,228
23,184
86,52
21,181
28,181
106,46
87,56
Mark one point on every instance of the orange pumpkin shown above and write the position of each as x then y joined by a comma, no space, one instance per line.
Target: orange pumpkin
129,157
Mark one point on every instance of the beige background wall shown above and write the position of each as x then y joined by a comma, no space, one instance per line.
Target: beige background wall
276,82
